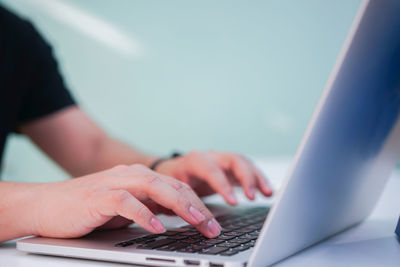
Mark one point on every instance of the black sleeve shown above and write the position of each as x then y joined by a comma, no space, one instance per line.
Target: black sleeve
46,92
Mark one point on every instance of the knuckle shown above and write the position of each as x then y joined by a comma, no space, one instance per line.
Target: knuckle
152,179
224,186
216,175
242,157
121,168
237,162
120,196
138,167
186,186
194,154
180,186
182,203
204,210
214,171
143,212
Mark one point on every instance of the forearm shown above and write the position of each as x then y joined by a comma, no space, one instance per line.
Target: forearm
17,209
110,152
78,144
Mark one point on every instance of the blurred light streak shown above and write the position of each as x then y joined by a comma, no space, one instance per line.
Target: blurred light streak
90,25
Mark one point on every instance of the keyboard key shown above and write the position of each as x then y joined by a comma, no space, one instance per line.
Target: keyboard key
213,241
125,244
239,241
172,247
229,252
157,243
170,233
189,233
228,226
178,237
205,244
143,241
192,240
224,237
243,247
189,249
239,233
180,230
234,233
213,250
228,244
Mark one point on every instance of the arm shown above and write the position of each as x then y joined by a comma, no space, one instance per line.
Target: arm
15,204
76,143
51,209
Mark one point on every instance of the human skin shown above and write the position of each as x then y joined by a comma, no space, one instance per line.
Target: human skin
75,207
114,186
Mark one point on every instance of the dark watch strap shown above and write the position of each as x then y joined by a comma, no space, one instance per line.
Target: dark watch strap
154,165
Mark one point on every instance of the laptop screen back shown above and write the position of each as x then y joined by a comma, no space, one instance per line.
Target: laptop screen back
352,143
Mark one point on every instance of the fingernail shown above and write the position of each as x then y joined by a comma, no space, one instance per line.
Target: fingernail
266,188
232,198
214,227
196,214
270,192
252,192
157,225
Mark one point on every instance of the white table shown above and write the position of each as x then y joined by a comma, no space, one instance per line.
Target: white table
371,243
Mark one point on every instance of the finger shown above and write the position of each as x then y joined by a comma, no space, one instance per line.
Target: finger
242,171
206,169
157,208
154,186
145,183
122,203
262,182
184,202
163,193
188,206
210,227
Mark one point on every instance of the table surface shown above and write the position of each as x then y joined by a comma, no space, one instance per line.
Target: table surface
371,243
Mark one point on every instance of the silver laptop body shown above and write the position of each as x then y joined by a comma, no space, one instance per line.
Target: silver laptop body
343,162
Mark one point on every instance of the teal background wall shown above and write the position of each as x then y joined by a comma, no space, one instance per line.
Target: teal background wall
241,76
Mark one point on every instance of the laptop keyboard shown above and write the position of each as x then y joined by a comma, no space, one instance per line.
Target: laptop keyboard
239,233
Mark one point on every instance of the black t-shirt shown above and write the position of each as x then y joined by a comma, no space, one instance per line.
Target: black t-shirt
30,83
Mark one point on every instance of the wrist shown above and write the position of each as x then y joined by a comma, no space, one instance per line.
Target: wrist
29,200
159,161
18,209
150,160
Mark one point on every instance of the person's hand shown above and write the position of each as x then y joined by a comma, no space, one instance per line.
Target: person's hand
76,207
214,172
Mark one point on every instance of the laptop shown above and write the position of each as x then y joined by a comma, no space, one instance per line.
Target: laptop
342,164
